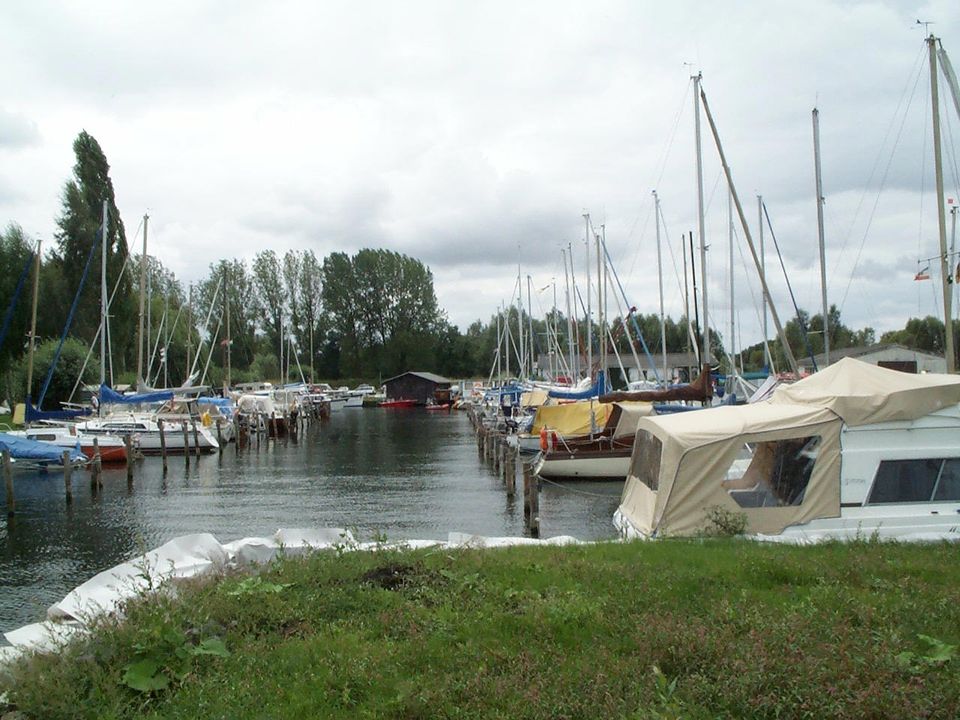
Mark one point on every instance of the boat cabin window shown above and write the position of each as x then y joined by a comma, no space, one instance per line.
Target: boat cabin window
646,459
48,437
923,480
777,475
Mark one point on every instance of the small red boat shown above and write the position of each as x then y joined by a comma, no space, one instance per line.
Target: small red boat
398,403
439,408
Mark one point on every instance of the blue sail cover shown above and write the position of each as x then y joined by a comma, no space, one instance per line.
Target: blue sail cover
25,449
33,414
598,389
110,396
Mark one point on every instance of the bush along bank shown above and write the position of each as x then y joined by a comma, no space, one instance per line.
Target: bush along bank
692,629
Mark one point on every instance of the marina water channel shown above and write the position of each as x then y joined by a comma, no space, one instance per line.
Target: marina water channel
393,474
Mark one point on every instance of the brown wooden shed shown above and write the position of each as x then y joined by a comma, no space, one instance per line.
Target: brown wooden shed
424,387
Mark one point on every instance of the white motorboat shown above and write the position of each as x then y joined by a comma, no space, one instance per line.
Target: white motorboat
355,397
111,449
852,451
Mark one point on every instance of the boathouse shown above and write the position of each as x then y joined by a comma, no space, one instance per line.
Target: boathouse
424,387
891,356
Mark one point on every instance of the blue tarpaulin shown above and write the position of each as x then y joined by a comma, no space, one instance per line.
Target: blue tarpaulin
24,449
110,396
33,414
599,388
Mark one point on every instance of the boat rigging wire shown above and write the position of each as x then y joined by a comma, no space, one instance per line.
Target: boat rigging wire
800,322
567,488
883,179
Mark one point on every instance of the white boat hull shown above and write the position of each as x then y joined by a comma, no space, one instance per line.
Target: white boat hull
572,466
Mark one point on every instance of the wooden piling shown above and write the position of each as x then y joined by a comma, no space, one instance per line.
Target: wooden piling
97,466
67,467
128,445
163,446
512,475
236,434
186,445
196,440
219,438
535,506
8,481
526,496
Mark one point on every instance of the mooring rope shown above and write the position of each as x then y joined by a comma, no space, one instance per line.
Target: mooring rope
574,490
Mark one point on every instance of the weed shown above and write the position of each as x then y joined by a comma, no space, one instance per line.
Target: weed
724,522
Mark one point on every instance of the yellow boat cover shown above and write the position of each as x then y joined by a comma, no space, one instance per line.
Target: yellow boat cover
572,419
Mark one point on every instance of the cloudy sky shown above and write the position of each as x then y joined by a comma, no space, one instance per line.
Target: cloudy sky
474,136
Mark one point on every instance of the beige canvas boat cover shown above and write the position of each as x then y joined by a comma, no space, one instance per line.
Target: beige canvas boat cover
533,398
626,416
571,419
863,394
699,447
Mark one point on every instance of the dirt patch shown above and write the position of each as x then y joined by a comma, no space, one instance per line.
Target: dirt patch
392,577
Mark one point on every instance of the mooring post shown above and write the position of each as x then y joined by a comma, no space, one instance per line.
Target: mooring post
236,434
163,445
8,481
67,485
504,458
526,496
97,466
512,476
186,445
128,446
196,440
535,507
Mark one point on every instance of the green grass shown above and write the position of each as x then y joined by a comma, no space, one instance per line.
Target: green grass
699,629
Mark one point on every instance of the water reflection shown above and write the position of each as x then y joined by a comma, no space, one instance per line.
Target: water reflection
405,475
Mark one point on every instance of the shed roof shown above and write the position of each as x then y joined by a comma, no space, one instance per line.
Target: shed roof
432,377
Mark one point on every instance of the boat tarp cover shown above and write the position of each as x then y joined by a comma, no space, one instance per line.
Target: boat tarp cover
112,397
32,414
863,394
598,388
571,419
26,449
533,398
626,417
699,448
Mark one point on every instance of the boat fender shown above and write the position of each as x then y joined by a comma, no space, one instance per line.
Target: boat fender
543,438
205,419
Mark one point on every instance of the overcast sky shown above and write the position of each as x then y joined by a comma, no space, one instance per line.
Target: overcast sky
475,135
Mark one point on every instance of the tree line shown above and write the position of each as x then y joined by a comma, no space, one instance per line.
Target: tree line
366,316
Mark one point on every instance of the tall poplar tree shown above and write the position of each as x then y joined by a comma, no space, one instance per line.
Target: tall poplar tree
78,229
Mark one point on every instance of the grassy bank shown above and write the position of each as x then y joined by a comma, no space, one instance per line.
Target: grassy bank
659,630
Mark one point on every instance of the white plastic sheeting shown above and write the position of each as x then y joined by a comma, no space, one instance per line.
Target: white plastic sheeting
193,555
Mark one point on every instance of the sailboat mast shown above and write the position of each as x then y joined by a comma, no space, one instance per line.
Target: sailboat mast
226,302
663,321
521,346
499,344
103,300
791,360
586,240
602,349
823,254
941,215
703,238
530,325
686,292
33,319
573,363
732,343
189,327
143,295
763,274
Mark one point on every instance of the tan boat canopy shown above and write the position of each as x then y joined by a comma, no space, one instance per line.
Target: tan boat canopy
686,465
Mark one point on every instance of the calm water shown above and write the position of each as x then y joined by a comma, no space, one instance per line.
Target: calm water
403,474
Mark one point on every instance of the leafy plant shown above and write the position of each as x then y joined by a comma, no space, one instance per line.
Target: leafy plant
256,584
167,656
725,523
936,653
